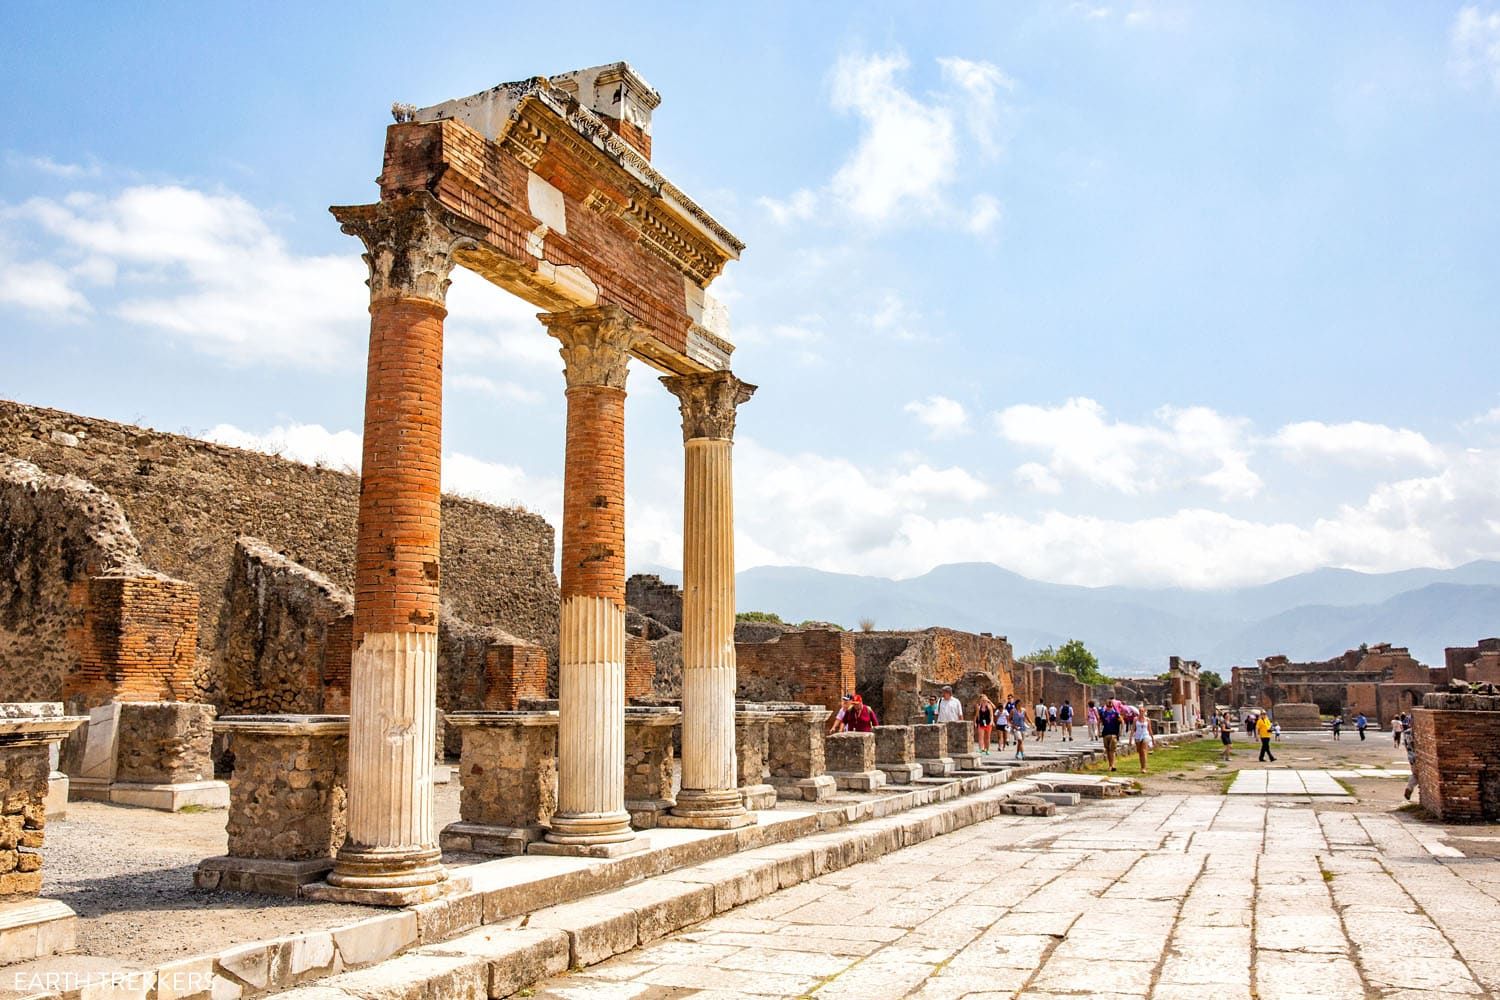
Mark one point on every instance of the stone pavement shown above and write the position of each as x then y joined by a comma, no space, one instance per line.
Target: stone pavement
1170,896
1259,781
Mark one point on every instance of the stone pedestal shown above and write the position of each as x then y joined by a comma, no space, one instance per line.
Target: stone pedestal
57,781
508,775
288,802
850,758
151,754
961,746
751,744
710,798
932,749
648,766
796,752
1457,739
29,927
896,754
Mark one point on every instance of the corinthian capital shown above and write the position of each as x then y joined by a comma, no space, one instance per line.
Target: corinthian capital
708,402
409,244
596,344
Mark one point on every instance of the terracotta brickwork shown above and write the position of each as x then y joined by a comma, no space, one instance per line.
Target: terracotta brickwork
396,558
1458,758
139,642
514,672
815,667
593,553
640,668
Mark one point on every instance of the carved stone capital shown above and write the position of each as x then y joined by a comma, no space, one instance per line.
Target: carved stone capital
596,344
708,402
409,244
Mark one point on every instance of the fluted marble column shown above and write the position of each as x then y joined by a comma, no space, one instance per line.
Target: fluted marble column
709,797
391,855
591,818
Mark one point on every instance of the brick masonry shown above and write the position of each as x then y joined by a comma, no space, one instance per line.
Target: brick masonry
1458,757
815,667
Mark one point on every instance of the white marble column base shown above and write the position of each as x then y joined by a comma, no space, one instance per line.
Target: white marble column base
859,781
36,928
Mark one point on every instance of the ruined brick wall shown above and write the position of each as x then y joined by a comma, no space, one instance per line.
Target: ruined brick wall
1458,757
273,644
1477,664
815,666
655,599
76,600
928,660
484,667
187,502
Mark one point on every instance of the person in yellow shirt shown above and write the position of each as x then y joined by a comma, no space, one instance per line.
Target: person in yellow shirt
1263,730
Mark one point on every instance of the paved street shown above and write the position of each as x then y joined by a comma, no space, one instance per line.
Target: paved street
1193,896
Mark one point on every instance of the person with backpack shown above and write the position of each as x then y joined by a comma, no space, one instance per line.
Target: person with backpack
1065,716
1110,720
1039,720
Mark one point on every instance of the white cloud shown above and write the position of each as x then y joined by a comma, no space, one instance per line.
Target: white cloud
942,416
1475,46
42,287
310,444
951,483
509,391
57,168
1356,443
1082,442
906,160
1038,477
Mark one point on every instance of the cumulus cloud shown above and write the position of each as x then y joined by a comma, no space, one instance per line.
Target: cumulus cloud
942,416
1475,46
42,287
906,161
1082,442
1356,443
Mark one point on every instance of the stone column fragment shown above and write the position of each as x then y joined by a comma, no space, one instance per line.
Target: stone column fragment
752,748
649,760
896,754
961,745
932,749
591,819
851,761
796,759
392,856
508,781
709,797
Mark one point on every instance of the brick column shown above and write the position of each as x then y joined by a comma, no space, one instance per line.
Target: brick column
709,797
391,856
591,817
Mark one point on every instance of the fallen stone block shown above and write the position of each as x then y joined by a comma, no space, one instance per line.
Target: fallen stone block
1060,798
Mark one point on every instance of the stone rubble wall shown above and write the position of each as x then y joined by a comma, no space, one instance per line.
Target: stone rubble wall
164,743
23,819
188,502
288,796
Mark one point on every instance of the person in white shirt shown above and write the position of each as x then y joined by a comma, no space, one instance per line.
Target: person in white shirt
1039,720
949,709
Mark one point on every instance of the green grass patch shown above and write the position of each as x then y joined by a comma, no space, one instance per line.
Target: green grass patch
195,807
1168,759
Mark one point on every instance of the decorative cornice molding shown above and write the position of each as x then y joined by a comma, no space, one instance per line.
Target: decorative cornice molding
596,344
409,244
708,402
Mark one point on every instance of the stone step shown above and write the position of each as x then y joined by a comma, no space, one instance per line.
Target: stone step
1060,798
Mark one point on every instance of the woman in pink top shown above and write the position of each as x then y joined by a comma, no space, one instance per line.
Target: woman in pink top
1092,718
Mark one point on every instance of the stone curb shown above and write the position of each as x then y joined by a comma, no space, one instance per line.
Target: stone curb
689,882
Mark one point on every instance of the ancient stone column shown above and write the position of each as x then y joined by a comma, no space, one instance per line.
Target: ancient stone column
709,796
391,856
591,817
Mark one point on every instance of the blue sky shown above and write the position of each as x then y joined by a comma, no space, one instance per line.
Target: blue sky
1101,292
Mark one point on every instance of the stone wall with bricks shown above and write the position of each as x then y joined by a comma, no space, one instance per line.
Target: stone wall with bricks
814,667
1329,683
187,502
897,670
1457,739
655,599
1477,664
164,742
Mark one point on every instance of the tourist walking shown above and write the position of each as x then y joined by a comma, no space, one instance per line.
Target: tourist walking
1140,735
930,710
1396,728
1110,720
1002,723
1360,723
1018,729
1065,716
1338,726
837,726
1091,719
984,721
1226,733
1263,730
1409,741
860,718
949,709
1040,721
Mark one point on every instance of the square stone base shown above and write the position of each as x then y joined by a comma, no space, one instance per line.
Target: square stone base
806,789
969,761
35,928
619,850
88,789
171,798
937,767
271,876
675,822
859,781
758,797
57,795
646,814
409,896
901,774
480,838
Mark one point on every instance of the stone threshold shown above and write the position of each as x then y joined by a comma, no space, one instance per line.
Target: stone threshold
520,916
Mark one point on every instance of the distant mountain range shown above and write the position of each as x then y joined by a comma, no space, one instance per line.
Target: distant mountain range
1311,616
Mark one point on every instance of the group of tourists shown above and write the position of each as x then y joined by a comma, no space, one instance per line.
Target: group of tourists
1008,720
